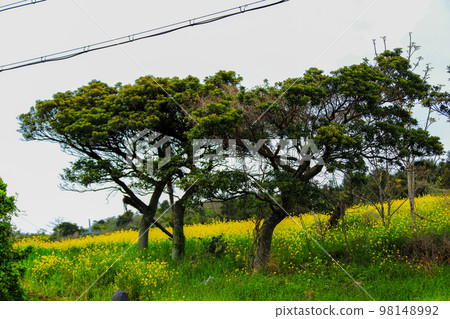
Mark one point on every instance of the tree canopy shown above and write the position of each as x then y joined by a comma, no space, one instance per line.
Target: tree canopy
282,137
349,116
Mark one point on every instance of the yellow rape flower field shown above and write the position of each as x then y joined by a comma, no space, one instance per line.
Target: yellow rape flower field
390,263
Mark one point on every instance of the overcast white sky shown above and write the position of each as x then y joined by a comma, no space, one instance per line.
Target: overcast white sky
275,43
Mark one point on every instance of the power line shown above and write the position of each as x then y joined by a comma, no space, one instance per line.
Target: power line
26,220
19,4
209,18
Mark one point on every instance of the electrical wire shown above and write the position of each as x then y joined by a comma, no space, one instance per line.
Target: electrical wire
26,220
19,4
209,18
12,4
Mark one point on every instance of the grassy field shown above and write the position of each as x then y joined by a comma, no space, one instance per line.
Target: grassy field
390,264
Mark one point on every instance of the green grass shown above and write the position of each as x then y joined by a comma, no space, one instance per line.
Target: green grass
390,264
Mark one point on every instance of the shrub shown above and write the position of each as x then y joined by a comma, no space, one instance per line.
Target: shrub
64,229
215,245
10,270
428,248
125,219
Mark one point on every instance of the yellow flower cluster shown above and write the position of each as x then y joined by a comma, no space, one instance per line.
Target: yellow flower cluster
120,237
80,262
142,279
433,212
46,265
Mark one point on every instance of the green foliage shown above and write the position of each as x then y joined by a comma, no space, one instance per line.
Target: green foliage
223,78
443,173
353,114
215,246
107,129
238,209
125,219
65,229
439,101
199,214
10,269
97,224
98,124
164,212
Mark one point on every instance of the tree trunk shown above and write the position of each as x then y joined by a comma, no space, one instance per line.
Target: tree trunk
171,201
411,193
337,213
148,215
381,194
178,232
265,239
146,222
178,243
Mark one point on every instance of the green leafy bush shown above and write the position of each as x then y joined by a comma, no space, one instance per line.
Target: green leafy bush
10,270
215,245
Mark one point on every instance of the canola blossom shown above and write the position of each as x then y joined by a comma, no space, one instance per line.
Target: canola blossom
434,209
71,265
